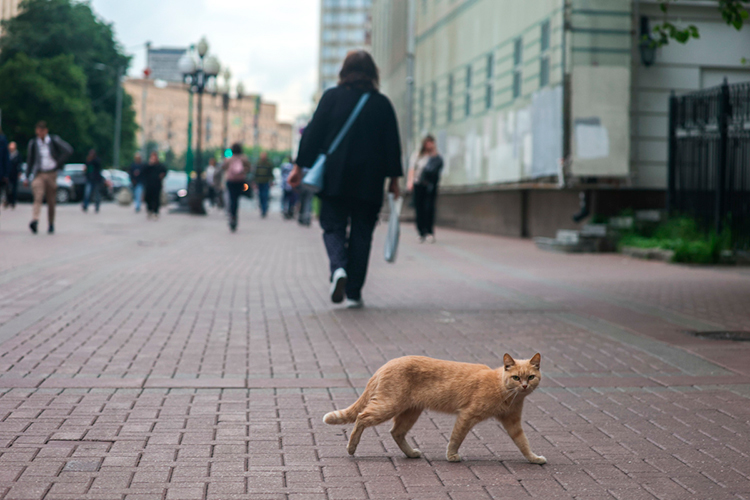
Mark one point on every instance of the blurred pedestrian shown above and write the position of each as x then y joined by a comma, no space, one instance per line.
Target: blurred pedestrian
136,180
46,154
153,174
210,184
355,173
4,162
423,180
14,171
235,169
289,199
263,179
94,180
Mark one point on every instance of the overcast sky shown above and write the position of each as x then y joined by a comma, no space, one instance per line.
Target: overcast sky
271,45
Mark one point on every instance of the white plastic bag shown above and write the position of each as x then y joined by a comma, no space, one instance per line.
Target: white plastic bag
391,240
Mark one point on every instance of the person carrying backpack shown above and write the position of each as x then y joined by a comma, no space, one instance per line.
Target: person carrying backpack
235,169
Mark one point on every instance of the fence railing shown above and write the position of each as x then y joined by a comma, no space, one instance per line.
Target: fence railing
709,158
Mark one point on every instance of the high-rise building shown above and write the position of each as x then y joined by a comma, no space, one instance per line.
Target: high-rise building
164,64
8,9
344,26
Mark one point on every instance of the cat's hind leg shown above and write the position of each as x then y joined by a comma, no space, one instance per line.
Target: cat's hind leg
373,414
461,428
512,424
402,423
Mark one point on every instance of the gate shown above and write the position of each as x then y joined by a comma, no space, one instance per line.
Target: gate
709,159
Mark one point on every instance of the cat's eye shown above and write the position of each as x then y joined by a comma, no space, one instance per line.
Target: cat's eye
531,377
516,377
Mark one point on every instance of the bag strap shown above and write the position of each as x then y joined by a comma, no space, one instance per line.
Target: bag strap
349,122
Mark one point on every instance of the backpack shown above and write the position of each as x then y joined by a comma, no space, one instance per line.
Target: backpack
236,170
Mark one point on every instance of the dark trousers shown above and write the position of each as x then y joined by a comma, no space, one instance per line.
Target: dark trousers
424,204
349,251
288,202
93,188
11,191
153,198
263,195
234,189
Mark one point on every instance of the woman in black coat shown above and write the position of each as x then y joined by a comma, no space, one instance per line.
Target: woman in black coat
355,173
151,176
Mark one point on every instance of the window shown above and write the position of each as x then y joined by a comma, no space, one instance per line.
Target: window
490,76
544,72
545,35
544,56
517,66
433,108
467,103
518,52
449,111
516,84
421,109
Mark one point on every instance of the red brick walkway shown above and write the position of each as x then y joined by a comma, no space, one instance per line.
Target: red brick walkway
174,360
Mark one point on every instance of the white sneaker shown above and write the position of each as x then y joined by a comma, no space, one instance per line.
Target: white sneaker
338,285
355,304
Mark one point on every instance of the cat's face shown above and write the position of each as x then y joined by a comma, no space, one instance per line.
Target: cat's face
522,376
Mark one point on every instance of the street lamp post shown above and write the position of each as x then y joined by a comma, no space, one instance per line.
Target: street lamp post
197,74
225,108
119,70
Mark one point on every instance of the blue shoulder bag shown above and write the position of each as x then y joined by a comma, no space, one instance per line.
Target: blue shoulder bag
314,178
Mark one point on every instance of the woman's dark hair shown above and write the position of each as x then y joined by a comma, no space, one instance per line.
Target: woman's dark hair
359,71
427,138
236,148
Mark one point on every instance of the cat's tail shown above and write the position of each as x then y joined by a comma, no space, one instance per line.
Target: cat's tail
349,415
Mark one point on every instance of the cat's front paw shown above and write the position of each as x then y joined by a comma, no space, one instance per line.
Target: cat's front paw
453,458
539,460
415,453
351,449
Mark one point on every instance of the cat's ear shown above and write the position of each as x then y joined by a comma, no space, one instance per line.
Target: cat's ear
508,361
536,360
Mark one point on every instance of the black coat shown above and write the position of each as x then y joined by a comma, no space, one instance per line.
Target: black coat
94,170
15,166
369,153
151,175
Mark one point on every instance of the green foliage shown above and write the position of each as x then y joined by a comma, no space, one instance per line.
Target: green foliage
53,89
45,29
733,12
683,236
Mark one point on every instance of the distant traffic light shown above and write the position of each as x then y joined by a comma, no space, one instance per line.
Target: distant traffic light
228,153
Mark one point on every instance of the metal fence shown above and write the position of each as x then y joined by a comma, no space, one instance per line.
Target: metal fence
709,158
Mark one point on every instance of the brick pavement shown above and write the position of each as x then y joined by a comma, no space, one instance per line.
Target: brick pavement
174,360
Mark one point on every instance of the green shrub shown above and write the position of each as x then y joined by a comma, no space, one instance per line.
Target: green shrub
683,236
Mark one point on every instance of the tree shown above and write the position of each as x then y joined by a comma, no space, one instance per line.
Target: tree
53,89
48,28
733,12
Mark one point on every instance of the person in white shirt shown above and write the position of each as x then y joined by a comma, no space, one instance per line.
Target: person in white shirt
46,154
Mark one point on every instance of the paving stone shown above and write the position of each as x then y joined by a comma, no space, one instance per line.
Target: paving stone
146,370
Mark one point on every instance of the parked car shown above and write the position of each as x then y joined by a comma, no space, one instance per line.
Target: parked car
120,179
175,186
76,173
65,188
108,191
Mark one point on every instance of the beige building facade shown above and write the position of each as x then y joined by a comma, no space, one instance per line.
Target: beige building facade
166,119
8,10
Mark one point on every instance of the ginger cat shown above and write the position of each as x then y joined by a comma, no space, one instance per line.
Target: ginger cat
404,387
